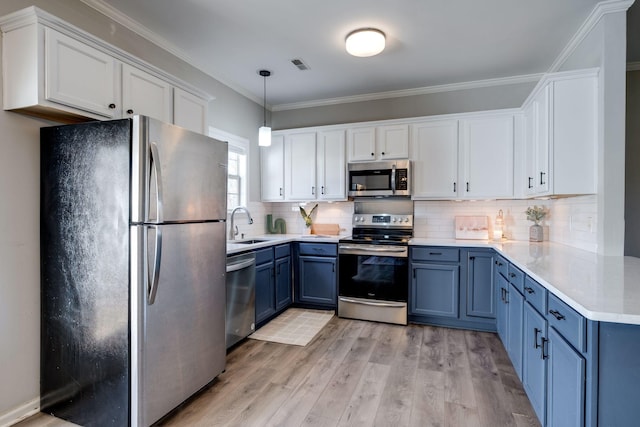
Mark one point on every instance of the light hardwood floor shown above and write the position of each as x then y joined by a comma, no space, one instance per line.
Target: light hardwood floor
357,373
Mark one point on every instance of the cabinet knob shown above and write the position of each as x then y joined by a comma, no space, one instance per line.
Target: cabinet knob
129,111
112,106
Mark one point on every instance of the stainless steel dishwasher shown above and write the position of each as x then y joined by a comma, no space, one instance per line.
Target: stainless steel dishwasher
241,297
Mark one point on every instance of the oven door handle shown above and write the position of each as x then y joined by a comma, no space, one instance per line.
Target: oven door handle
373,249
373,303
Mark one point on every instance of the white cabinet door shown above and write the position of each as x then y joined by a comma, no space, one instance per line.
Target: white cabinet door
434,153
79,76
189,111
300,166
486,157
361,144
145,94
331,164
530,166
392,142
272,170
574,140
542,176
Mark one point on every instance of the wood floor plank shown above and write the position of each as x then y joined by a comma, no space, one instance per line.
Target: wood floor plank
395,404
364,402
428,406
457,415
432,352
387,344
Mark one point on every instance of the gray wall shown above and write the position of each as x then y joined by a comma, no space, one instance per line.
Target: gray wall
20,193
460,101
632,167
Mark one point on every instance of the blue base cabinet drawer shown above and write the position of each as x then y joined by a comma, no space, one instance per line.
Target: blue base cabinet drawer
536,295
435,254
567,321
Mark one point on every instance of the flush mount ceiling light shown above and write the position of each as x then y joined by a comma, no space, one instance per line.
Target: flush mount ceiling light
264,133
365,42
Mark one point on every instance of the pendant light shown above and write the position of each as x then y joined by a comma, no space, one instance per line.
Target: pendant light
264,133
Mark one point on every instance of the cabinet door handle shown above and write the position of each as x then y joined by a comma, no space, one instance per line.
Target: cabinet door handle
454,187
467,187
506,296
556,314
542,174
499,264
435,253
471,258
529,290
281,191
536,331
313,191
543,348
530,179
322,189
512,274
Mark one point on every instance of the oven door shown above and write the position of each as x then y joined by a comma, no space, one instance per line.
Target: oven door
376,272
373,282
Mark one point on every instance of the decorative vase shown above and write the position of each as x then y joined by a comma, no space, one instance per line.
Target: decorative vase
536,233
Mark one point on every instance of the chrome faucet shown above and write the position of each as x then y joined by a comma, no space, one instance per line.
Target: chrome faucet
233,229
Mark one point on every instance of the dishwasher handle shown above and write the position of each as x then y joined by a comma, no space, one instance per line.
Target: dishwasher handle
240,265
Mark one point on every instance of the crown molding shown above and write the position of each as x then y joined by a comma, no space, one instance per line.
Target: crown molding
600,10
144,32
527,78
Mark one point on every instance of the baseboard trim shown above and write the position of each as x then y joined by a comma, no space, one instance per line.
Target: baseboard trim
20,413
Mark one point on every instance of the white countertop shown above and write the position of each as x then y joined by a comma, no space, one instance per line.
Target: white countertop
274,239
602,288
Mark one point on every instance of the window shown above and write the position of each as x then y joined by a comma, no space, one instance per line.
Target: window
237,174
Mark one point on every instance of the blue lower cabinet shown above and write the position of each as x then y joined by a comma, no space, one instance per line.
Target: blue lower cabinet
283,286
480,293
434,290
566,383
515,305
534,363
265,292
502,313
317,281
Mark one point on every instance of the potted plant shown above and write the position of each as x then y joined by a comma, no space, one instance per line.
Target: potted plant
308,221
536,214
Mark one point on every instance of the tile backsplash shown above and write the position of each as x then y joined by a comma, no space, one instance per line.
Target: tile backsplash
571,221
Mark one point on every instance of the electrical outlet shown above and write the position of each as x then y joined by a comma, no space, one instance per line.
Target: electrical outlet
581,222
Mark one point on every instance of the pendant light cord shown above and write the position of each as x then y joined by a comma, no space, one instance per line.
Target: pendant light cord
264,74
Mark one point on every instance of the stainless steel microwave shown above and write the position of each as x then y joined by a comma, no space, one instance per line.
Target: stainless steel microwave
389,178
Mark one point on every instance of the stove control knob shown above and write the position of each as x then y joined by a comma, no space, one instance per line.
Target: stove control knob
395,219
406,220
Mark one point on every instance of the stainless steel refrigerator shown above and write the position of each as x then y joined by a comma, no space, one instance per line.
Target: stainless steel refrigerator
133,252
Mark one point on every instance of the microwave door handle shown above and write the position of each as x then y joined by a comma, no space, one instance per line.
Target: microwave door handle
393,179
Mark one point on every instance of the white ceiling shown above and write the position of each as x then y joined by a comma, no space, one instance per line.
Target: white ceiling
429,42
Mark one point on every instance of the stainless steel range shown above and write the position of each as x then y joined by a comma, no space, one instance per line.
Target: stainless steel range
373,262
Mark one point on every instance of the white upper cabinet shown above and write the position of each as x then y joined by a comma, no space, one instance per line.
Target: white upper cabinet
57,71
331,165
561,119
145,94
361,144
300,166
189,111
312,166
434,156
392,142
272,170
80,76
485,167
373,143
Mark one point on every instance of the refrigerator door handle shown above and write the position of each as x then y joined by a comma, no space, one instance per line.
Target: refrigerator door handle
155,274
155,162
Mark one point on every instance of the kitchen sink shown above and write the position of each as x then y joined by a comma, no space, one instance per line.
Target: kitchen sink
247,242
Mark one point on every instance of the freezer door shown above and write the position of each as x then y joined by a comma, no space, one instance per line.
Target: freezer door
178,314
177,175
